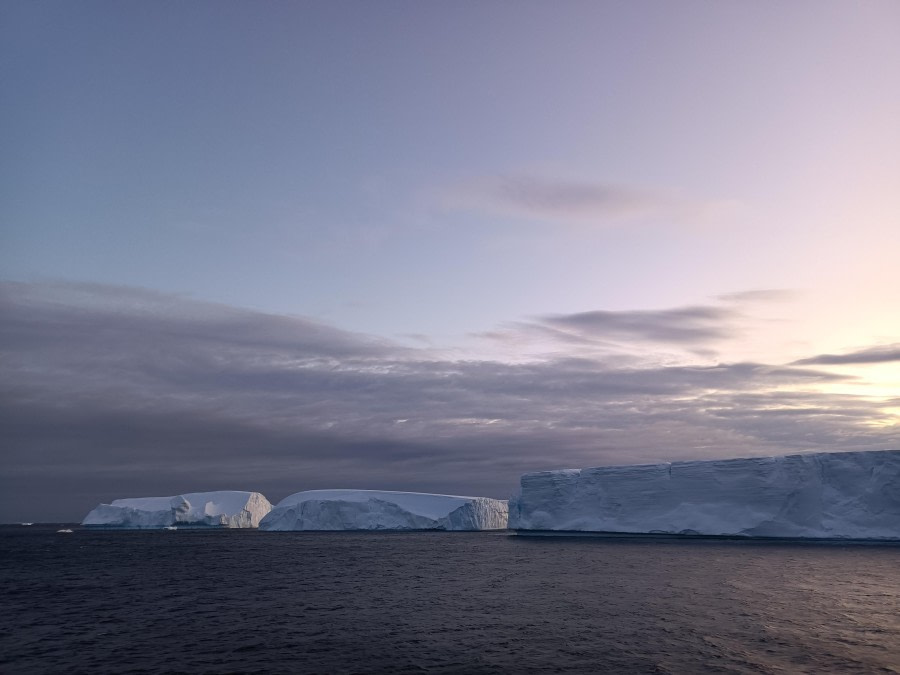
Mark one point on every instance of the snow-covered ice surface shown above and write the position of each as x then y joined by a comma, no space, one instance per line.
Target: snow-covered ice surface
384,510
847,495
226,508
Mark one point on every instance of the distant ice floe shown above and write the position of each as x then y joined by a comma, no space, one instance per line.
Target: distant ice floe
847,495
384,510
229,509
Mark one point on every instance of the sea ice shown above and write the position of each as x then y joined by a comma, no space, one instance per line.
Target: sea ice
196,509
854,495
383,510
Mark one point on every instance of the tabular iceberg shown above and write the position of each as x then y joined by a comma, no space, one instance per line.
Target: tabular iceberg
383,510
847,495
196,509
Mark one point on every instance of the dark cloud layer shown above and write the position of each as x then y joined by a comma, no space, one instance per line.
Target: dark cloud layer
110,392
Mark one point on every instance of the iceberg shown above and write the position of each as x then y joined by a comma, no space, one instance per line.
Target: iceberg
196,509
845,495
384,510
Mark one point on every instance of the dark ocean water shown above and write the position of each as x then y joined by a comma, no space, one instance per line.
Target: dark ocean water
247,601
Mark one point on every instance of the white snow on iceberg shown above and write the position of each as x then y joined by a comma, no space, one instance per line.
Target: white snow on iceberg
196,509
852,495
383,510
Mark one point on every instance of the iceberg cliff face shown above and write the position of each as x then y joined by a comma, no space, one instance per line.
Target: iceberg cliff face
827,495
382,510
195,509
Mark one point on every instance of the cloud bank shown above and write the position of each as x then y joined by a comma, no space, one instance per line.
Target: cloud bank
110,391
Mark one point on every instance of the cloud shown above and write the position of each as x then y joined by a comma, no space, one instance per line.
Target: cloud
693,331
109,392
880,354
581,201
101,313
763,295
680,325
623,337
557,198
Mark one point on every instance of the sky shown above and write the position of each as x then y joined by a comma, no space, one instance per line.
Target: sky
432,246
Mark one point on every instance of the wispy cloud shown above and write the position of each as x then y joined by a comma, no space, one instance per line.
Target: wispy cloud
681,325
760,295
879,354
700,330
585,202
110,391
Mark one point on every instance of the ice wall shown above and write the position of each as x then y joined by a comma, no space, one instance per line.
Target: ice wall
195,509
826,495
384,510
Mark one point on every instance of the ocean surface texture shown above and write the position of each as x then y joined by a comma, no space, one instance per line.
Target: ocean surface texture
247,601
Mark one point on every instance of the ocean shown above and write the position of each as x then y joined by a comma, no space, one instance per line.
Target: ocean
244,601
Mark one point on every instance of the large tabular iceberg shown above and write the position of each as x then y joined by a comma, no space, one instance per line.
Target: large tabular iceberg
195,509
382,510
854,495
